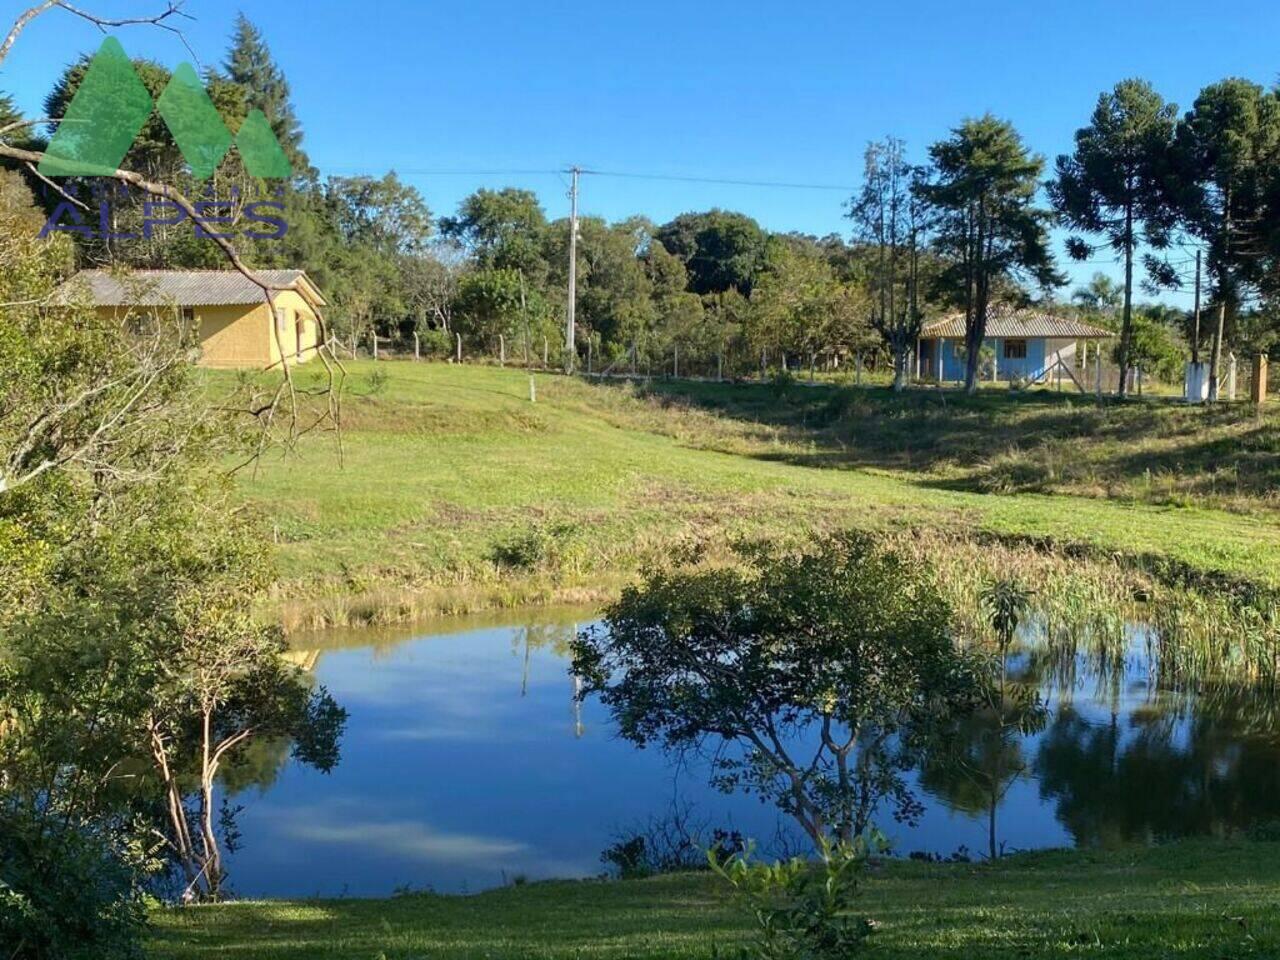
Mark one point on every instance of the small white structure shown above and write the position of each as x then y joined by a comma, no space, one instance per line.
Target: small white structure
1196,383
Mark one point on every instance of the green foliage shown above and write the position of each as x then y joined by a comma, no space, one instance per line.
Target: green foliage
989,229
1153,346
803,910
376,382
1006,603
503,229
720,249
490,304
890,218
1114,184
798,306
65,892
132,664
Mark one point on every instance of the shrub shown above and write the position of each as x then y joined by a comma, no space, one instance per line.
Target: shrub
377,381
538,546
803,910
436,343
65,894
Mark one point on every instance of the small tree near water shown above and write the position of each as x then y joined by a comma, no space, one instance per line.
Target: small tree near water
809,677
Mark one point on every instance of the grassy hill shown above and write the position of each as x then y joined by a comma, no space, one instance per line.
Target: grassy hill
456,492
1195,900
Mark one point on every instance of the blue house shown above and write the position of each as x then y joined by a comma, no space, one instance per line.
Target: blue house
1024,344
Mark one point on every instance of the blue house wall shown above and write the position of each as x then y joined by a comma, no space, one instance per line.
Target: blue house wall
1033,362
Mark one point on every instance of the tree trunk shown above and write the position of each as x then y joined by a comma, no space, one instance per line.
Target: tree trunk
973,344
993,851
1126,322
1215,353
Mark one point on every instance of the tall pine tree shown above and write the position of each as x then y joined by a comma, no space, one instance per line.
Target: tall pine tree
250,65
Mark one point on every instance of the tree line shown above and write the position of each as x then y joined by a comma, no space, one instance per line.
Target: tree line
965,229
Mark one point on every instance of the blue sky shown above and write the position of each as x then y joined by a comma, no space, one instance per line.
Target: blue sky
720,90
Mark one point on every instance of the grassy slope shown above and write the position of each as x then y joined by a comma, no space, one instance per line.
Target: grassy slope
447,464
1194,900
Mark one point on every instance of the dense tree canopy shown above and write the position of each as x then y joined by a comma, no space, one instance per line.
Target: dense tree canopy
714,291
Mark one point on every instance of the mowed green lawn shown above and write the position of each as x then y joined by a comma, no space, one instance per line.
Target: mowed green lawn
451,477
1195,900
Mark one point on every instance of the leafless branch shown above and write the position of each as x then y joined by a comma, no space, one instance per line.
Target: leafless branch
173,9
53,186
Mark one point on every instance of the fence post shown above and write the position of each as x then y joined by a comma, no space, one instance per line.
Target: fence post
502,350
353,346
1258,389
544,353
675,363
1097,366
417,350
1231,377
719,368
857,369
459,336
375,344
589,342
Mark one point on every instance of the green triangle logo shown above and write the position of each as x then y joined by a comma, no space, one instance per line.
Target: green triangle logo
194,121
111,106
102,120
260,150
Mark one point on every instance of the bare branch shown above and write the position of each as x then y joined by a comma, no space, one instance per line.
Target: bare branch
53,186
174,9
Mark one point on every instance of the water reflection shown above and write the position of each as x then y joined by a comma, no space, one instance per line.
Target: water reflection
468,760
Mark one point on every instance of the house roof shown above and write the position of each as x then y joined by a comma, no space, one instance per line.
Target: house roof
1018,325
183,288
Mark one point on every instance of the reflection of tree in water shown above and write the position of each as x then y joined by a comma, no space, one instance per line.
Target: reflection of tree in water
1167,772
974,769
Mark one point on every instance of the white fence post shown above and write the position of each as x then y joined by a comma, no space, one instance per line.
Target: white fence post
502,350
459,336
417,350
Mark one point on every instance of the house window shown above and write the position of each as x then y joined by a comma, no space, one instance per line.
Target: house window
1015,349
188,316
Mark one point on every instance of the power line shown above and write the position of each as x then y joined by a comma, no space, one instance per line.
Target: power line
619,174
725,181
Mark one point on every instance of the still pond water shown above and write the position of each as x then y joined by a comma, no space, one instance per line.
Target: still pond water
467,763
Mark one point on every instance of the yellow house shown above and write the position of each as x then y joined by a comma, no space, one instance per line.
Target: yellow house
237,327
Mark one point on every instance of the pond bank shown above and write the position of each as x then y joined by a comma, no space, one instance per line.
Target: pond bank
454,492
1196,899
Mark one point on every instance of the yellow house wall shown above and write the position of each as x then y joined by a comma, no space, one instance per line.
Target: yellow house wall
234,336
242,335
297,328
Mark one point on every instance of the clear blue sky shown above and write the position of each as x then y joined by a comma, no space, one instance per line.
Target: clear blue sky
778,92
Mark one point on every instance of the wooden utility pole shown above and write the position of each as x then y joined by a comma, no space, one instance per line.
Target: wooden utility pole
571,306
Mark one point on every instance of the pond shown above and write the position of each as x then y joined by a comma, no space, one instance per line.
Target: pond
468,763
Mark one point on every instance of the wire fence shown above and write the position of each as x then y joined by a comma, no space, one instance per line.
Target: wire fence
735,361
